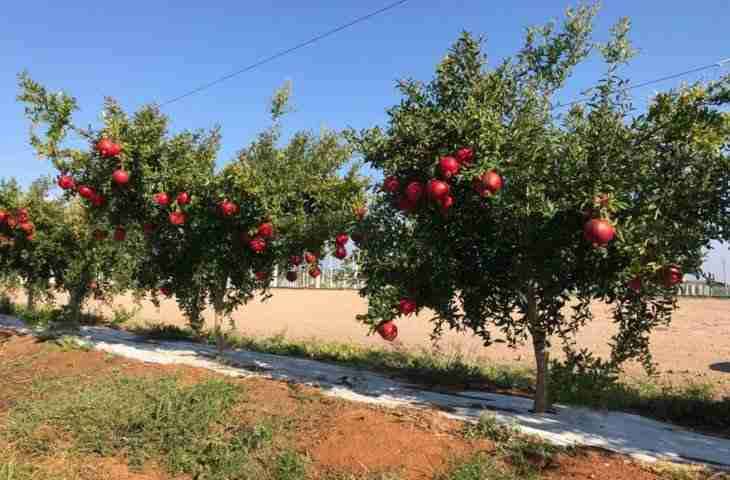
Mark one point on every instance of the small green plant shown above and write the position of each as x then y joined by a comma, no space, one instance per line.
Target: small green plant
123,316
479,467
488,427
529,456
290,465
68,343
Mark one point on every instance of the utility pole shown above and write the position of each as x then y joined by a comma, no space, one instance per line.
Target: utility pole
724,277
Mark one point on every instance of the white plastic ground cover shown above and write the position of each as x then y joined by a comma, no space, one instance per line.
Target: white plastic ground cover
633,435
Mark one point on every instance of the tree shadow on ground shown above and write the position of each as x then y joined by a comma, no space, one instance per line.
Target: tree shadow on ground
723,367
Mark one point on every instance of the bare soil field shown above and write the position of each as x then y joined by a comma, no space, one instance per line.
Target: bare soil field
696,346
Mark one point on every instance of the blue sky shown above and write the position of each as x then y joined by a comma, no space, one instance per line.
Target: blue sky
150,51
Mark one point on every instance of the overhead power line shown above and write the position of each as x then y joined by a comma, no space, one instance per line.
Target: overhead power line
718,64
285,52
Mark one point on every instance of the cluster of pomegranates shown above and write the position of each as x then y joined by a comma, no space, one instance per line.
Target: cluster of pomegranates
409,194
295,261
18,220
388,330
176,217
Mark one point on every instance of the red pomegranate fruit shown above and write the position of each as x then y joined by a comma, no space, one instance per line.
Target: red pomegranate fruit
342,239
341,252
465,156
492,181
177,218
438,189
266,230
672,276
449,167
66,182
391,184
310,258
295,260
257,244
228,208
162,199
292,276
388,331
100,235
315,272
86,192
120,177
635,284
414,191
599,231
407,306
261,276
183,198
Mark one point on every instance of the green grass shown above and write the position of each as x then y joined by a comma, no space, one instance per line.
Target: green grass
185,428
481,466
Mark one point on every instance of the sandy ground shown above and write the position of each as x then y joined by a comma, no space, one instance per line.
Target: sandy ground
696,345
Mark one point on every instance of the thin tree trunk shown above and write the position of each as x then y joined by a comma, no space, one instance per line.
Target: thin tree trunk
75,302
30,294
539,344
218,318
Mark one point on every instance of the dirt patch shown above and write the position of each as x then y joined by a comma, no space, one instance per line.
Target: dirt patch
598,465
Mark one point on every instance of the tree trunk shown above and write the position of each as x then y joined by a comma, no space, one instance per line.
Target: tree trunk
30,294
539,344
75,302
218,318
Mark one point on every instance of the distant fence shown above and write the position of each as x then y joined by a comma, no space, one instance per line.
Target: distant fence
337,279
697,289
330,279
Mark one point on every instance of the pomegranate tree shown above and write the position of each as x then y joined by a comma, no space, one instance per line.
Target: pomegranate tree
209,237
531,214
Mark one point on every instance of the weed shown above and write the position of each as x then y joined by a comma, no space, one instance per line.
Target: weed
290,465
488,427
480,467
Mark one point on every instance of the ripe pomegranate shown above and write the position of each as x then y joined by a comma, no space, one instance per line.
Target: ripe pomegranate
86,192
599,231
261,276
310,258
635,284
360,213
115,150
257,244
183,198
405,204
340,252
228,208
23,215
391,184
11,221
149,228
162,199
166,291
177,218
438,189
104,147
292,276
100,235
414,191
388,330
266,230
446,202
295,260
672,276
93,285
407,306
3,216
449,167
26,227
98,200
120,177
465,156
120,234
492,181
66,182
315,272
341,239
